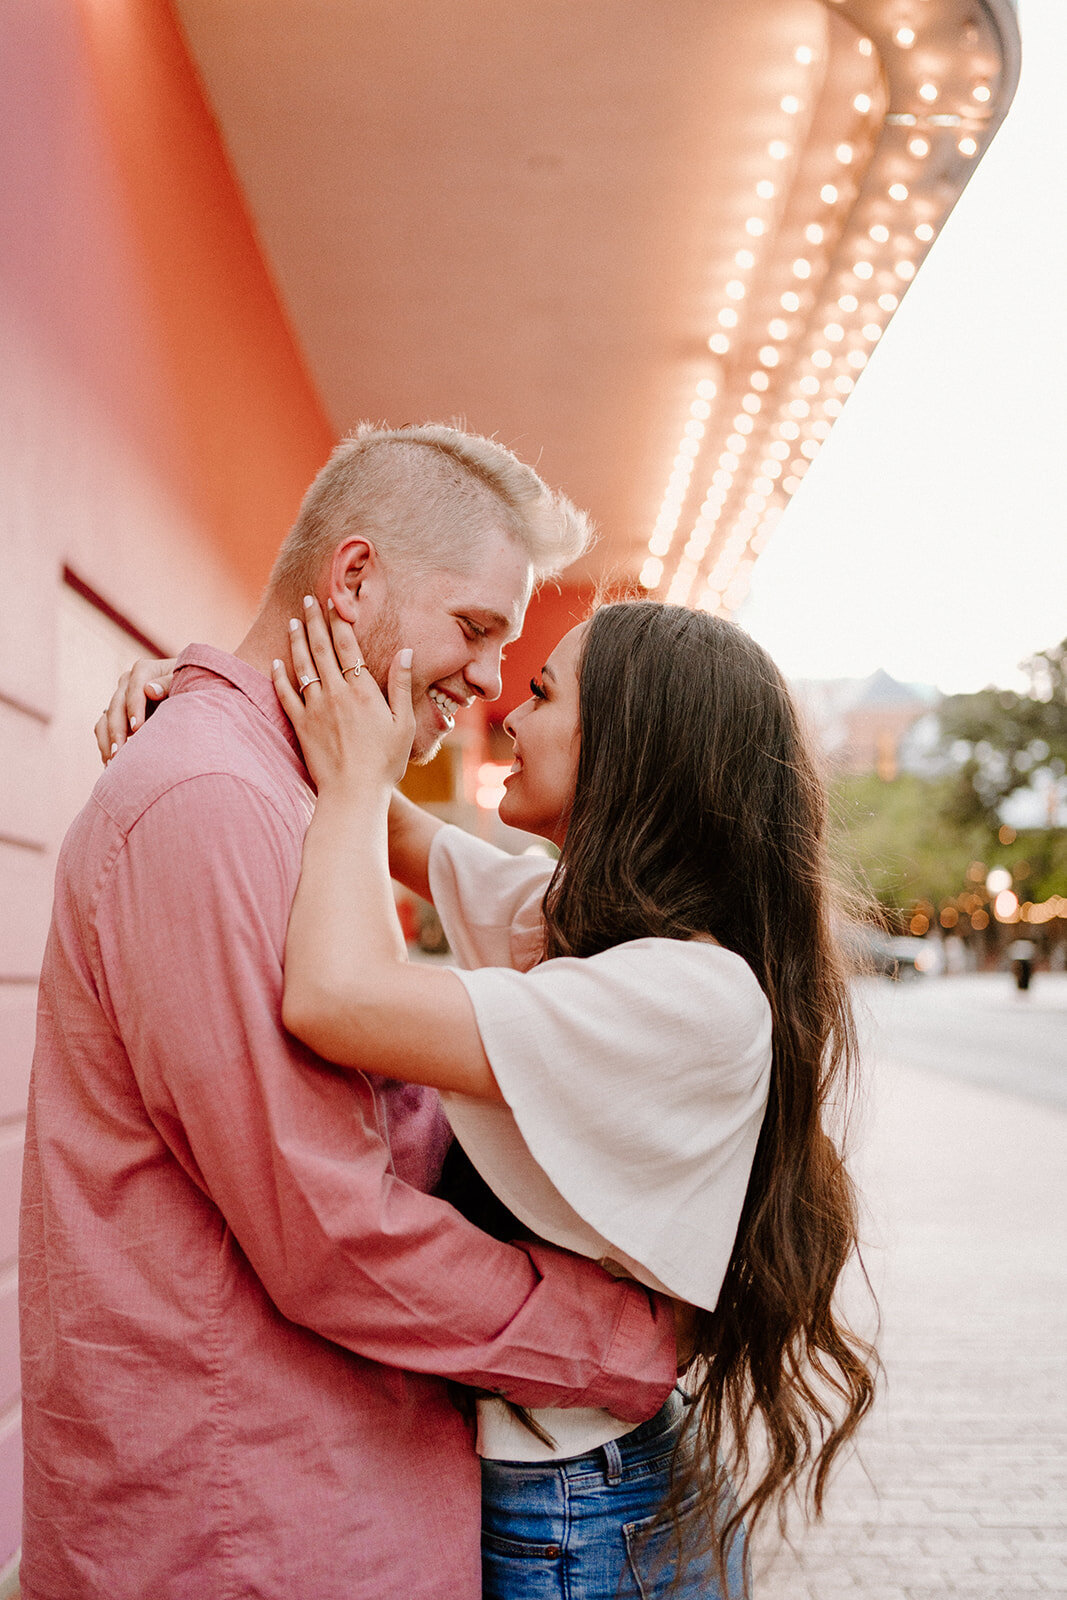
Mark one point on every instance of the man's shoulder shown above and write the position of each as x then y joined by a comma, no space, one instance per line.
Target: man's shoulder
196,752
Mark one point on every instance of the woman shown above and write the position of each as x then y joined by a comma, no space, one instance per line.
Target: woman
641,1060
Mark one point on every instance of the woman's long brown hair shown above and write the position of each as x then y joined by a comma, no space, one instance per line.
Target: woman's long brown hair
698,810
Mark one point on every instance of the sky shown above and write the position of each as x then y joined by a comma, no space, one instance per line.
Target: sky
930,536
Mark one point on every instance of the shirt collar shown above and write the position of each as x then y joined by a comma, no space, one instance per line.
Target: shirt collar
250,682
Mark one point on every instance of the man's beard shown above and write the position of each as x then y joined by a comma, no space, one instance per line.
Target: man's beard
381,645
379,648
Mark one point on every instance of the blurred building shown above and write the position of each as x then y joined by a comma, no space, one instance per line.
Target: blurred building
868,724
651,245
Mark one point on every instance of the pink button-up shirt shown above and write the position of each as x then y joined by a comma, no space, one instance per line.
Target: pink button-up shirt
238,1299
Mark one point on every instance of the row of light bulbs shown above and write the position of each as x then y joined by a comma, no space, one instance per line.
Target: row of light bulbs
785,456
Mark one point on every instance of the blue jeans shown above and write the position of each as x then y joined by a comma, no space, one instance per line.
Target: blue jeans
595,1527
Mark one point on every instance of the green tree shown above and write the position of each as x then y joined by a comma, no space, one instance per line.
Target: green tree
1005,739
889,835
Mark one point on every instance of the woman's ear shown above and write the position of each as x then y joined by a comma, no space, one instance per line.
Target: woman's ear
353,563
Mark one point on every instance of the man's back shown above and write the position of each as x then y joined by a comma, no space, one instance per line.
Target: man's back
183,1435
238,1300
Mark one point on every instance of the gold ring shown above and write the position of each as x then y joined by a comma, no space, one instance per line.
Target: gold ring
305,683
356,670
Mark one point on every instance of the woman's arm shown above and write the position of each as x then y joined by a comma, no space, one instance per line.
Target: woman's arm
411,833
350,993
136,693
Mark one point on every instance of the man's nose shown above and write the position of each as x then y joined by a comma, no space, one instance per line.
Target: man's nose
483,673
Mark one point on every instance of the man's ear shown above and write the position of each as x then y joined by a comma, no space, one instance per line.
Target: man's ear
354,567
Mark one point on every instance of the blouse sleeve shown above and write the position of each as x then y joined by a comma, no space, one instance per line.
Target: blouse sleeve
635,1083
489,901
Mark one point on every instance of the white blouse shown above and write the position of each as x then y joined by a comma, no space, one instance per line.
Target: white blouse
635,1084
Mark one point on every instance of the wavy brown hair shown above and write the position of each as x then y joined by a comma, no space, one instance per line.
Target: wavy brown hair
698,810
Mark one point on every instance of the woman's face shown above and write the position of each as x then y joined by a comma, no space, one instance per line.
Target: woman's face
539,789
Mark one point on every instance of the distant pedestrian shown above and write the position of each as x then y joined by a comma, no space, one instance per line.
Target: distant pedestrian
1021,954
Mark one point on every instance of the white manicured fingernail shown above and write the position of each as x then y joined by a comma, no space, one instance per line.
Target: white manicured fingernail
276,665
330,605
308,602
293,625
133,723
114,748
157,688
405,658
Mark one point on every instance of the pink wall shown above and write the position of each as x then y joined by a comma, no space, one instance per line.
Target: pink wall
157,429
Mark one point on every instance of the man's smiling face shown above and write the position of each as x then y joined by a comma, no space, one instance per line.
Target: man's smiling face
457,624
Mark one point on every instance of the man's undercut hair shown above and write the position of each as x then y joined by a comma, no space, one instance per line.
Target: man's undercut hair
426,497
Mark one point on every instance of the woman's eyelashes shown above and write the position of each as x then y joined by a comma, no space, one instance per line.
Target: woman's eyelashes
537,690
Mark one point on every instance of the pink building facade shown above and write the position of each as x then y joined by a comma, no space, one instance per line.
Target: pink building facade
157,429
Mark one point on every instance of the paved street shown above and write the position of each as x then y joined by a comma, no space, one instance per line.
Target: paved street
961,1489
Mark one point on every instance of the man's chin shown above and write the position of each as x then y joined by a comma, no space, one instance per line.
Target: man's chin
425,746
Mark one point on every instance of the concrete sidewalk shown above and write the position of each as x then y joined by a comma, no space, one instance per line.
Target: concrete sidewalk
961,1485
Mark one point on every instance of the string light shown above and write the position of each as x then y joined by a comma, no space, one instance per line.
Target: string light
747,493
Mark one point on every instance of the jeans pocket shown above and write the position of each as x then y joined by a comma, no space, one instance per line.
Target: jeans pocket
516,1569
675,1560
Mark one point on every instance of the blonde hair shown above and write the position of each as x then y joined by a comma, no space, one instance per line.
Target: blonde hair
426,497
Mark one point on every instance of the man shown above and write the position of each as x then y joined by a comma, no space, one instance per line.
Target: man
239,1300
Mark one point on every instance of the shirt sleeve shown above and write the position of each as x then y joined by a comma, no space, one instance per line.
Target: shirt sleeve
636,1082
191,927
489,901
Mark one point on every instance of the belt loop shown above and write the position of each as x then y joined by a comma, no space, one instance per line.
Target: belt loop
612,1462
